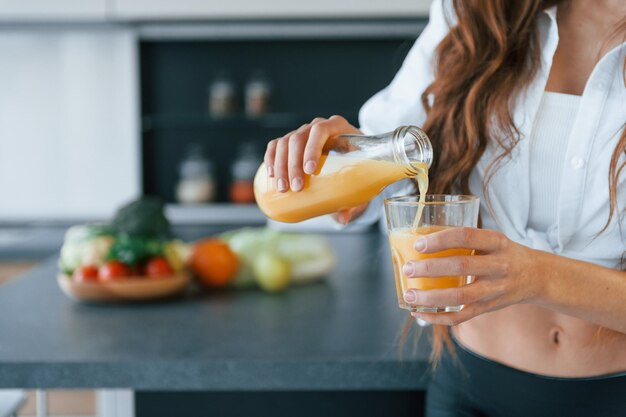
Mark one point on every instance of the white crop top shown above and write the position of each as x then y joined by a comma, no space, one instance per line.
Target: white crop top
549,138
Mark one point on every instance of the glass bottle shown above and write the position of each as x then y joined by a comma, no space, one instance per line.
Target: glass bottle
222,97
196,184
243,170
257,95
352,171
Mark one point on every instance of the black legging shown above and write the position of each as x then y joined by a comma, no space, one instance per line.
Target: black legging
475,386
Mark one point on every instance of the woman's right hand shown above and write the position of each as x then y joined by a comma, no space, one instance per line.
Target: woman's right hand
290,157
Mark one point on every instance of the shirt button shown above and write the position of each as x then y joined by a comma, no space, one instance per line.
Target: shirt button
577,163
600,85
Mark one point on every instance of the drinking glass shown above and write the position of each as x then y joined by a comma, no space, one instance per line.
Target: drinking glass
408,219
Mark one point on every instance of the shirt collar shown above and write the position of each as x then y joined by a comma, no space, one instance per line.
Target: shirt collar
551,12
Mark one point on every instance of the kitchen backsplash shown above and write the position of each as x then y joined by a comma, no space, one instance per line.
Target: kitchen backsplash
188,85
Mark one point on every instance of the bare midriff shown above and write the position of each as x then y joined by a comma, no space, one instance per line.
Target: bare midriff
538,340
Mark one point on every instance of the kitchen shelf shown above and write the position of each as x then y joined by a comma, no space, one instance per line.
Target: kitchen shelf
215,213
289,30
201,121
286,121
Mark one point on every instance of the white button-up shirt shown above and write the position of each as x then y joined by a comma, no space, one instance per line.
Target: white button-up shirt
583,207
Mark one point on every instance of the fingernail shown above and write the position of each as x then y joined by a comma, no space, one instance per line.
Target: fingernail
420,321
409,296
281,184
419,244
296,184
270,171
407,269
310,167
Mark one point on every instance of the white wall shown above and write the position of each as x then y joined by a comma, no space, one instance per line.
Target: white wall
69,134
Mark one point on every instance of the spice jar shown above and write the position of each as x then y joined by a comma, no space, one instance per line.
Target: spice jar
196,183
222,97
243,170
257,96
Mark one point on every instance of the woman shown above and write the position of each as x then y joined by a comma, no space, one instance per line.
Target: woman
525,104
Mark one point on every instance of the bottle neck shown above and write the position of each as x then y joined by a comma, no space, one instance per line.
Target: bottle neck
407,146
412,148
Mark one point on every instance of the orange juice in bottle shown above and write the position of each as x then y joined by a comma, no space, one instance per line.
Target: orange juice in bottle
353,170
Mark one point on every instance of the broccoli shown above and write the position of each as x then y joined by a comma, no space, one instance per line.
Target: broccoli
143,218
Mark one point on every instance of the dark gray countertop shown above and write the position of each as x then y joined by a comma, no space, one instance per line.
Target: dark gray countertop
30,243
338,334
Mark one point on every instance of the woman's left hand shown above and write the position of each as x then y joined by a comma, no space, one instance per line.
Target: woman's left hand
505,273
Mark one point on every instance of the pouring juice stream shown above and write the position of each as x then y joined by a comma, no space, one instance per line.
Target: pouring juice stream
352,171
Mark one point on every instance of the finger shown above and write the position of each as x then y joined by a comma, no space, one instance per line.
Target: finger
321,130
297,141
486,265
476,292
457,317
461,237
280,165
345,216
270,153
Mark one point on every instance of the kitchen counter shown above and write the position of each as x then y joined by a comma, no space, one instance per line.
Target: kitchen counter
31,241
339,334
37,242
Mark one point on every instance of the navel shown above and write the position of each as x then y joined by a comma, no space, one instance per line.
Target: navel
556,334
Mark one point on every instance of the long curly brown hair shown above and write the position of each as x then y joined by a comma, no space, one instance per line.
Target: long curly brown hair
486,60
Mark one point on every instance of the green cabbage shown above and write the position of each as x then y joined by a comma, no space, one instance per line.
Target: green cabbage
310,256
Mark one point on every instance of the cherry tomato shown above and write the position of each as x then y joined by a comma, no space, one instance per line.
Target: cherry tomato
87,273
113,270
158,267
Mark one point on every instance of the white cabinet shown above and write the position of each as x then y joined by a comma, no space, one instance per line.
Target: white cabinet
69,133
279,9
111,10
12,11
52,10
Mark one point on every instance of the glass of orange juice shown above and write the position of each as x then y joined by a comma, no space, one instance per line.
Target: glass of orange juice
411,217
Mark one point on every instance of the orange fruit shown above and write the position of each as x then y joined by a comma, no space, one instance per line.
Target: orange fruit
214,262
